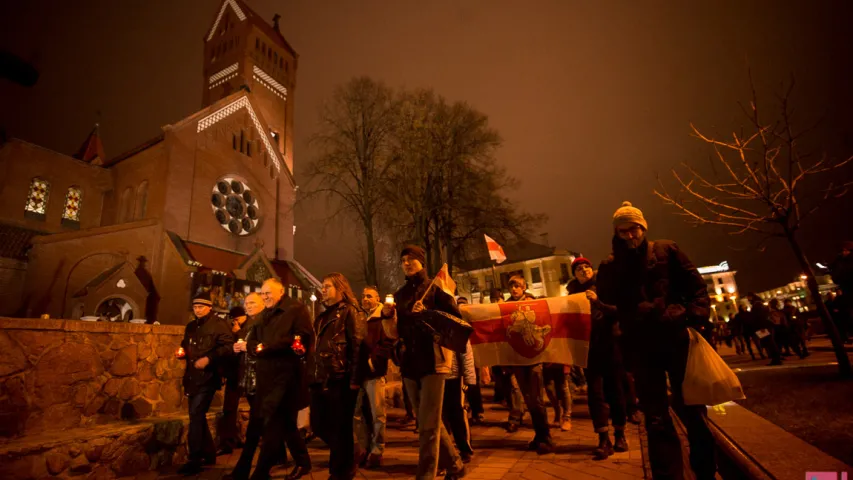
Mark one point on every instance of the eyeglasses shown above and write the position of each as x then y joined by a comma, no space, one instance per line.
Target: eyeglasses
633,230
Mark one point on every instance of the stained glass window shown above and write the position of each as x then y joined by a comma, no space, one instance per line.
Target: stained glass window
73,202
38,196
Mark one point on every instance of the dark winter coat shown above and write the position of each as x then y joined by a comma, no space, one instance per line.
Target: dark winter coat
656,289
209,337
420,355
282,375
841,270
377,348
339,332
603,350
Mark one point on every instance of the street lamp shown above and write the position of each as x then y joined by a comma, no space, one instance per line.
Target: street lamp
313,301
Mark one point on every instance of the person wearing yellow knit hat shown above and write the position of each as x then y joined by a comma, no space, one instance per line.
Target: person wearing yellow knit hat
658,293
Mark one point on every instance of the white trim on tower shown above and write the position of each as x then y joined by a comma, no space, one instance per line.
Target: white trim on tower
264,79
237,10
227,110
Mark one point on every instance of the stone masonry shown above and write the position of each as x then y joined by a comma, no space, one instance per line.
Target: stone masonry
60,374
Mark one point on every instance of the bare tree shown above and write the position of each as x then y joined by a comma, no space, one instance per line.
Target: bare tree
762,182
350,170
447,188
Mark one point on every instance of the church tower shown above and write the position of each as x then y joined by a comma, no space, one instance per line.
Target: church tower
241,49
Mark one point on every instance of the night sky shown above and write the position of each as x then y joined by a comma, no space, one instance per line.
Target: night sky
592,100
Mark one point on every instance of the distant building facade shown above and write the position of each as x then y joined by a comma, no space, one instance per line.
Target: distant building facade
546,269
722,288
206,205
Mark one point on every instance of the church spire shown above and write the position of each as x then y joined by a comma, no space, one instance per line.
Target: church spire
92,150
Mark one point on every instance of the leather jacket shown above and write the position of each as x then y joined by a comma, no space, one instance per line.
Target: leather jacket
339,333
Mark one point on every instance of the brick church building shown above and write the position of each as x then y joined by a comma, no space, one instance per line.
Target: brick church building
206,205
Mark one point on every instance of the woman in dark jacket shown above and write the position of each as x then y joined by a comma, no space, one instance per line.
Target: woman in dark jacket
604,369
335,377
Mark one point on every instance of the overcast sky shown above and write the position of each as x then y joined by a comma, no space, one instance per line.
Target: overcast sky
592,98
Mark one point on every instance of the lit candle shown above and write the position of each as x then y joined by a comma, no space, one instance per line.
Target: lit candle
259,348
389,299
180,353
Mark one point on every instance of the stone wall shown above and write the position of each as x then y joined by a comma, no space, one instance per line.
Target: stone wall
60,374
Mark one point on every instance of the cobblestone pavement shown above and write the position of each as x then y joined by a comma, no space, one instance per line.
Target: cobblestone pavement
498,454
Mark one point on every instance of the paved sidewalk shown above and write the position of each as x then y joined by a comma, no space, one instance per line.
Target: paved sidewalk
498,454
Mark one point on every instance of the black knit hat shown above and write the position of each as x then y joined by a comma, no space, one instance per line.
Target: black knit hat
415,253
237,312
203,298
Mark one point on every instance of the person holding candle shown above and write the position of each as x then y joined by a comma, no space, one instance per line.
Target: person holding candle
282,365
380,337
254,307
336,377
207,340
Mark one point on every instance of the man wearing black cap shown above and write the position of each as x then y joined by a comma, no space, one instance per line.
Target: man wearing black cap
207,341
425,364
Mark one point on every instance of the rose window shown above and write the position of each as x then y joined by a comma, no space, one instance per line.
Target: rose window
235,206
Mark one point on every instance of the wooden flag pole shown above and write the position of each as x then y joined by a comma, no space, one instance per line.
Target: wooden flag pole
427,290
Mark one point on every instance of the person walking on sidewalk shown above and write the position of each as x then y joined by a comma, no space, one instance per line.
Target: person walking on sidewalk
336,377
462,377
532,381
283,341
658,293
796,329
207,340
425,364
247,380
379,339
604,364
764,328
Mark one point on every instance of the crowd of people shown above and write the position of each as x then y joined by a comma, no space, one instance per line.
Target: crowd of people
642,297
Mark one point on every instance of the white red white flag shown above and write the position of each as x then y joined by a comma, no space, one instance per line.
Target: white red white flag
548,330
495,251
443,281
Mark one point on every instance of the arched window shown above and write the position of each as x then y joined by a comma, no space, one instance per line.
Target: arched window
73,203
141,200
125,207
36,206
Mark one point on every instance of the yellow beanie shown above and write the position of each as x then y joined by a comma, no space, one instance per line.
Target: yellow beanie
627,213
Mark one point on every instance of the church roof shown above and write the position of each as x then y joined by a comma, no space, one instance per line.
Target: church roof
92,150
244,12
207,258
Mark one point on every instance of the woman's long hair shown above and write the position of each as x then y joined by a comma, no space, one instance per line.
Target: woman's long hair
342,286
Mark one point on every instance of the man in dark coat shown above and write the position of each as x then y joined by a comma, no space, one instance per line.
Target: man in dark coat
760,316
254,308
282,388
228,435
841,270
604,371
424,364
658,293
207,341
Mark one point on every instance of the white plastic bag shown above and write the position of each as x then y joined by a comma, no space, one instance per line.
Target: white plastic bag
708,380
